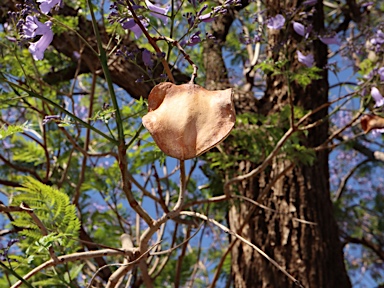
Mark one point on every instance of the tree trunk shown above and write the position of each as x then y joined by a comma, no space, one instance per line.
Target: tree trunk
312,253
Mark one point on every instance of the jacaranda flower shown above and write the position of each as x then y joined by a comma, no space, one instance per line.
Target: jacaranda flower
131,25
306,60
301,29
378,39
276,22
330,40
158,11
195,38
207,17
376,95
381,73
310,2
47,5
147,58
34,27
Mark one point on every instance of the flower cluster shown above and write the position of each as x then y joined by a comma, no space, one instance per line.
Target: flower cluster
278,22
376,95
32,27
378,40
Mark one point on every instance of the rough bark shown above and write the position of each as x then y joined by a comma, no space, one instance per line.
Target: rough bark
311,253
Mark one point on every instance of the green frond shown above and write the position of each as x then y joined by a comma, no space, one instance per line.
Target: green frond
54,210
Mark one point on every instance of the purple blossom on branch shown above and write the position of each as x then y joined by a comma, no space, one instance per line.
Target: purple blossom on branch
147,58
376,95
34,27
301,29
378,39
306,60
194,39
381,73
310,2
208,17
329,40
47,5
276,22
158,11
377,132
50,118
131,25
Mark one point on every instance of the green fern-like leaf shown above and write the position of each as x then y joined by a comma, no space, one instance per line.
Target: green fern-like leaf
6,131
52,207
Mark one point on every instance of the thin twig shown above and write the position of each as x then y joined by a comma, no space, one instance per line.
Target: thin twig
115,278
42,228
273,210
72,258
227,230
186,56
346,178
86,142
176,279
170,215
168,251
151,41
123,165
133,252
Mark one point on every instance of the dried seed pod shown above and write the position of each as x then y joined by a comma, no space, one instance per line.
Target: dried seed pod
188,120
369,122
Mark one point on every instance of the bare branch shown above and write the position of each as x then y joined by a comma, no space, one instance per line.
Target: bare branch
261,252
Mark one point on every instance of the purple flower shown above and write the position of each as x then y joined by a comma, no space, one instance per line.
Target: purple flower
194,39
306,60
34,27
376,95
50,118
207,17
11,39
367,4
330,40
301,29
378,39
310,2
158,11
38,48
381,73
131,25
47,5
377,132
276,22
147,58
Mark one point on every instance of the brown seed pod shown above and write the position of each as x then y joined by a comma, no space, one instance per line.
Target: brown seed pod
369,122
188,120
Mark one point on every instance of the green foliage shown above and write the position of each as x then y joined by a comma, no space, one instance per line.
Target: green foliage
104,115
8,130
306,75
54,210
255,136
28,152
65,22
170,271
